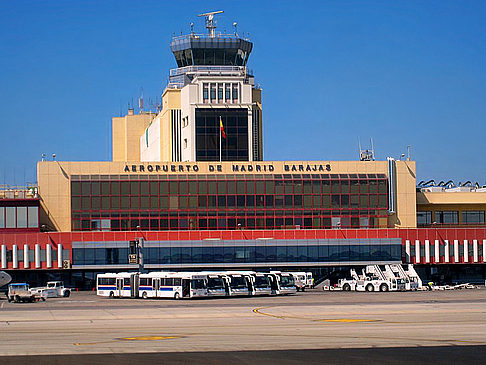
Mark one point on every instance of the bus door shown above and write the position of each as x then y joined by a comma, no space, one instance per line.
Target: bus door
119,287
156,287
134,286
186,288
226,285
273,283
250,284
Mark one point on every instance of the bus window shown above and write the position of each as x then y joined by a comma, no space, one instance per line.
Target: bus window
197,284
215,283
177,282
106,281
169,282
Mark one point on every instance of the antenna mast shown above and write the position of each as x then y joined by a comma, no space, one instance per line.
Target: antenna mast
210,25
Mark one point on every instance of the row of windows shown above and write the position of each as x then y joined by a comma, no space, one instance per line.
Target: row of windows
222,223
230,202
241,254
226,177
19,217
220,92
426,218
145,188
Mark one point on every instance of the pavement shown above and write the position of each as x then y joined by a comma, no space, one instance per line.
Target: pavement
310,327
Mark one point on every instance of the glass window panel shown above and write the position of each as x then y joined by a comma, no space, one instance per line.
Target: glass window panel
9,217
33,221
2,217
21,217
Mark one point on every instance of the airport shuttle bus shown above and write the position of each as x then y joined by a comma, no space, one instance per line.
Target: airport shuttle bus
286,282
265,284
121,285
218,285
172,285
241,284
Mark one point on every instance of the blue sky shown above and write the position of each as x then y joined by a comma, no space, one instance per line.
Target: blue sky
402,72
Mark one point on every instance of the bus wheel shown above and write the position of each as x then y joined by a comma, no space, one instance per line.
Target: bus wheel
112,294
346,287
67,293
369,287
144,295
298,289
383,287
177,296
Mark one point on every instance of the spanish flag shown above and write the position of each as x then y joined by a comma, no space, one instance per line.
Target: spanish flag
223,134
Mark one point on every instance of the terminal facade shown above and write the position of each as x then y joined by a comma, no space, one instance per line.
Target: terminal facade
190,182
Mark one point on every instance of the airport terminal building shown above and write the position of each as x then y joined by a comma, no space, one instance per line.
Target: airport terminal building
190,183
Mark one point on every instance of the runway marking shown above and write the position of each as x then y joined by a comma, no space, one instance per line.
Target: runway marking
150,338
336,320
346,320
138,338
92,343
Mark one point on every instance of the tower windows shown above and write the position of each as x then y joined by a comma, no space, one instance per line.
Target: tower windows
205,92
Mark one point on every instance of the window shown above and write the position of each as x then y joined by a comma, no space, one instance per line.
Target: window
213,92
424,218
205,92
10,217
21,217
447,217
220,93
473,217
235,92
227,92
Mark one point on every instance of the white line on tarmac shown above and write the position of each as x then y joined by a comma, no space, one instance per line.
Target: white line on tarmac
1,306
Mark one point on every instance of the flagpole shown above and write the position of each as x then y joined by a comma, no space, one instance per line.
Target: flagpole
220,140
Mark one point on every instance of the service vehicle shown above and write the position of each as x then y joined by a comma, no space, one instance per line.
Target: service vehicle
20,292
53,289
378,278
303,280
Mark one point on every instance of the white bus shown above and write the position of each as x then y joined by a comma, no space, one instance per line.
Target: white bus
218,285
286,282
172,285
265,283
121,285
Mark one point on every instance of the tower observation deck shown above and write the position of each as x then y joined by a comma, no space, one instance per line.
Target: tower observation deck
212,48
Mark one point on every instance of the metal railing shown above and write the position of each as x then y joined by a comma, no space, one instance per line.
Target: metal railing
211,70
184,37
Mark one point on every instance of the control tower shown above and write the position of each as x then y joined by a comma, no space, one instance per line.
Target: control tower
211,108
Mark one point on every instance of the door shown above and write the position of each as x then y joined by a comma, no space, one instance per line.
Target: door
156,287
186,288
250,285
119,287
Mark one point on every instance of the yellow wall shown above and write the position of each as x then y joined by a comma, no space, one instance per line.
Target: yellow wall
126,135
54,180
451,201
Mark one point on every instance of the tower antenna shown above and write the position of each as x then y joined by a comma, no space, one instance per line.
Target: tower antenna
210,25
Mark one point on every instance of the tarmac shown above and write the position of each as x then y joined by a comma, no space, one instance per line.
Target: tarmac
310,327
